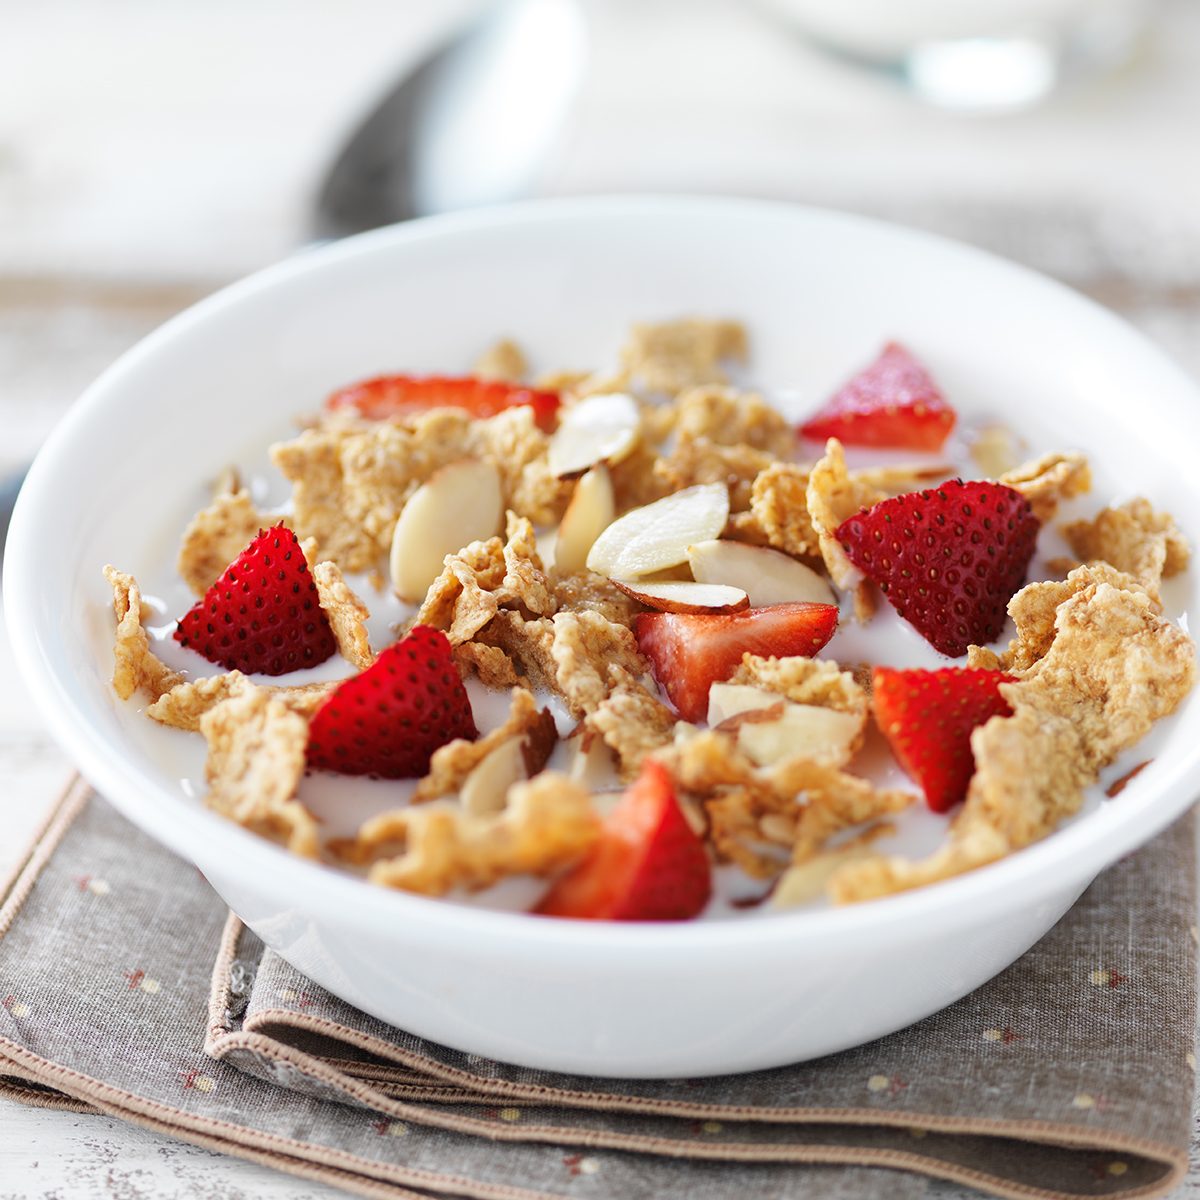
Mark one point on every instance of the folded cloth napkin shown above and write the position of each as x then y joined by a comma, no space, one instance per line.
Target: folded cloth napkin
128,989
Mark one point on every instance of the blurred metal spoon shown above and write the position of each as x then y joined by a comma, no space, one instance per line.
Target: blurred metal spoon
472,125
10,485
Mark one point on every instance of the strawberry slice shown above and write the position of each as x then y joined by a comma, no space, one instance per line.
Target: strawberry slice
892,403
388,720
263,616
690,652
948,558
396,395
928,716
648,864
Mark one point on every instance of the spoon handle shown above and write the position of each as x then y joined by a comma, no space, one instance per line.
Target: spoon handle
10,485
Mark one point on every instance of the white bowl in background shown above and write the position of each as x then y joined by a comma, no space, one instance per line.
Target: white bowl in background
820,292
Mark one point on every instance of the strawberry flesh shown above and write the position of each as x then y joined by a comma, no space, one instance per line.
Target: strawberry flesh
398,395
928,716
388,720
690,652
648,864
892,403
263,616
948,559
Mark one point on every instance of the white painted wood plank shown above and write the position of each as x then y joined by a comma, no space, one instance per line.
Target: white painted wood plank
46,1155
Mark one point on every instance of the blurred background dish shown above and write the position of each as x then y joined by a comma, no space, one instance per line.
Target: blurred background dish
983,55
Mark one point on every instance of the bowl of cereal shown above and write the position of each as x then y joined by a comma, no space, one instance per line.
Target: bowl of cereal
616,635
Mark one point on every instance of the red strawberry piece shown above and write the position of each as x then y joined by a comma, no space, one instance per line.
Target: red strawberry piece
948,559
648,865
388,720
690,652
263,615
892,403
397,395
928,716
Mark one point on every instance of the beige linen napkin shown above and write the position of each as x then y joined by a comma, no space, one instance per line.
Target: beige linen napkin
125,987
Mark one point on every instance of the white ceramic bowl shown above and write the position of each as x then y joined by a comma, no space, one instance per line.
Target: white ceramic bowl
820,292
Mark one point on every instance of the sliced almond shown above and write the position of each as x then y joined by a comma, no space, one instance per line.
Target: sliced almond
459,504
680,573
597,429
589,514
593,763
658,535
801,731
726,700
484,791
687,597
765,575
804,883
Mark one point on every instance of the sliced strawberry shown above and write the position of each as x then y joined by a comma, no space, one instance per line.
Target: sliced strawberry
892,403
928,716
648,864
388,720
395,395
263,615
690,652
948,559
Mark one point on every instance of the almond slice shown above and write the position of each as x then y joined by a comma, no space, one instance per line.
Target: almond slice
806,881
687,597
765,575
809,731
589,514
459,504
593,763
726,700
484,791
658,535
601,428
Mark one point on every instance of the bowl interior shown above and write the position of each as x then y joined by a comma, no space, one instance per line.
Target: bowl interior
819,293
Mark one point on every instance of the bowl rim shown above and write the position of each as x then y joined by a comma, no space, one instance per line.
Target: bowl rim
1034,874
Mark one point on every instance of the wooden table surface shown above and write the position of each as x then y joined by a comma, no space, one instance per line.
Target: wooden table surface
150,153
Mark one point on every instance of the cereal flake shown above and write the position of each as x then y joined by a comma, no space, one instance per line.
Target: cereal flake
524,584
698,460
255,762
489,664
585,650
547,825
1033,610
632,721
1047,481
462,599
779,506
1114,667
503,362
834,495
727,417
137,666
586,590
1132,538
216,535
669,356
347,615
805,681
